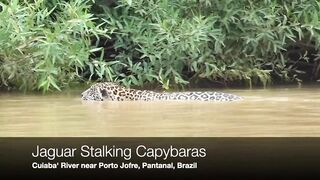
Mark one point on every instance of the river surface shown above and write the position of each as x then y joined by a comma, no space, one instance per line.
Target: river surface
276,112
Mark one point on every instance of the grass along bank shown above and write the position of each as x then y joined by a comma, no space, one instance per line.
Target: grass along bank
48,45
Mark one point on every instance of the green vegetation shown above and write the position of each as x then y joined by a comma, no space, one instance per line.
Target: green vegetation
174,41
45,45
48,45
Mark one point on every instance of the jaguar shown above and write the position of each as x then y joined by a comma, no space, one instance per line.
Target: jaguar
114,92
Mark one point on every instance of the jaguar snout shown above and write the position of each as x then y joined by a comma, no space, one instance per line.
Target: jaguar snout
83,96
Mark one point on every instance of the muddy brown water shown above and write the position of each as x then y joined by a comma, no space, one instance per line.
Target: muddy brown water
276,112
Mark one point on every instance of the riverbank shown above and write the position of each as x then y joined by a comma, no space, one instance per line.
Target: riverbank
48,45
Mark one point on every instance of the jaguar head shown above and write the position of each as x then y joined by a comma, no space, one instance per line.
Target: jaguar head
93,94
100,91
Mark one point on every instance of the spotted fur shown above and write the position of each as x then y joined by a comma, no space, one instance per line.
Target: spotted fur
113,92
